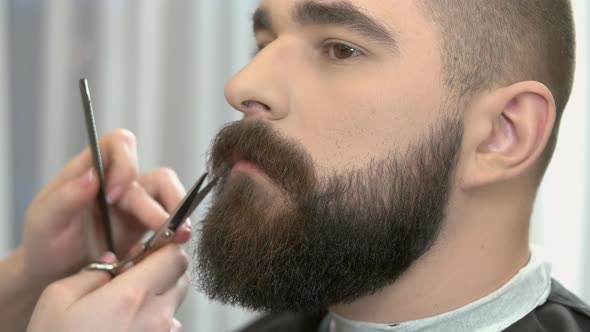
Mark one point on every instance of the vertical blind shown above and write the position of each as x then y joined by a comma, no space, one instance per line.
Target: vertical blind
158,68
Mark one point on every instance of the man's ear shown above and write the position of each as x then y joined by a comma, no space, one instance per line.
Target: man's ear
508,129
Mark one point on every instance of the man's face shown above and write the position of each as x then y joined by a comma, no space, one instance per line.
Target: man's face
336,180
345,107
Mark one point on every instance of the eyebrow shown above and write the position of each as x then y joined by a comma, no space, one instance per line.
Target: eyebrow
341,13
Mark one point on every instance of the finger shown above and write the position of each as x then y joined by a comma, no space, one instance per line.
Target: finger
183,234
164,307
71,289
85,282
119,157
64,201
163,184
158,272
176,326
176,295
139,204
65,292
122,167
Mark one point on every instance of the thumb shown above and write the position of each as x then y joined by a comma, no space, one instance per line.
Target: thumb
72,289
60,205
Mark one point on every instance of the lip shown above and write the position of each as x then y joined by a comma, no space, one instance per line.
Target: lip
243,165
247,167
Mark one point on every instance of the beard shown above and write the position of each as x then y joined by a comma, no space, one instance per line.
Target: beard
302,242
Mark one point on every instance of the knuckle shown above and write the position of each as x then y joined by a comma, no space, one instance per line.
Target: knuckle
36,208
125,136
52,291
135,189
183,285
31,212
181,259
162,321
131,197
185,280
132,298
166,173
57,290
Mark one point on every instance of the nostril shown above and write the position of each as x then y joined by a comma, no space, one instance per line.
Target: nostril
252,105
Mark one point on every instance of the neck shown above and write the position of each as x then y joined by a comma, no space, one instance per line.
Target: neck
480,248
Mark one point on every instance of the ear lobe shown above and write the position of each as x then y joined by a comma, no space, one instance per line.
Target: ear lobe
521,119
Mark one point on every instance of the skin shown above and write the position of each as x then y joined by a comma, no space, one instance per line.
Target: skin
142,299
348,112
62,236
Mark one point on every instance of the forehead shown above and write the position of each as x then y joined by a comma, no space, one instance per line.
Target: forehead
393,14
406,21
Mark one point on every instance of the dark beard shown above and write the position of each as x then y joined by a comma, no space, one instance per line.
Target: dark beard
318,242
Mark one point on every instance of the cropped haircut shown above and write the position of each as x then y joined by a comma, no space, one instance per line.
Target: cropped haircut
489,43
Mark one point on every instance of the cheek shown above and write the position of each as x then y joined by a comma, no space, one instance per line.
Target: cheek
347,127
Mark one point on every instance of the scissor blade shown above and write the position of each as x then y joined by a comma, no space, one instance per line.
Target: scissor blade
186,207
202,194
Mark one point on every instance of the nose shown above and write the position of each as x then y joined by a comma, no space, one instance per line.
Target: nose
259,89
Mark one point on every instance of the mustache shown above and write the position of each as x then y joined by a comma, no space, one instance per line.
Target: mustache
282,159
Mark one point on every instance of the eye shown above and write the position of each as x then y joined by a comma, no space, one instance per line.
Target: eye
340,51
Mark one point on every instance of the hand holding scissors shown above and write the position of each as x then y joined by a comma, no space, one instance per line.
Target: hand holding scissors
166,231
163,235
63,231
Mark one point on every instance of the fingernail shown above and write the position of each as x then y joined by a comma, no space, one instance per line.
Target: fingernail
87,178
188,224
108,257
114,194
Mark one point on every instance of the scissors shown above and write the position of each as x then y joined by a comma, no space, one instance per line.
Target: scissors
165,233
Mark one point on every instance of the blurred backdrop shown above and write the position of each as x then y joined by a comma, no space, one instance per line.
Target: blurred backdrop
158,68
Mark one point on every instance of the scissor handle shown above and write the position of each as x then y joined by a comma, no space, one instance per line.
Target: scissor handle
107,267
115,268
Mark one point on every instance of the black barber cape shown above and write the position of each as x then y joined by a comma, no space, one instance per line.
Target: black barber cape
562,312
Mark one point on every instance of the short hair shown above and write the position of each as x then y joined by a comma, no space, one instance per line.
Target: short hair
486,43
